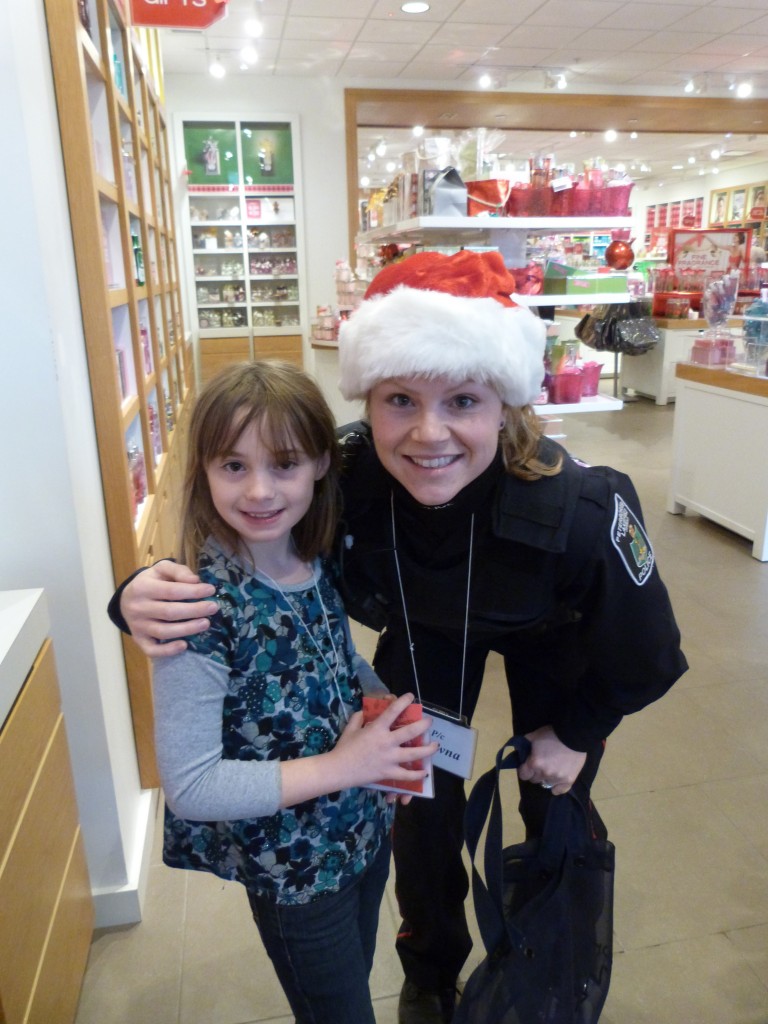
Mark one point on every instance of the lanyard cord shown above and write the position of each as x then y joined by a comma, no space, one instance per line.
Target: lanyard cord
405,609
297,616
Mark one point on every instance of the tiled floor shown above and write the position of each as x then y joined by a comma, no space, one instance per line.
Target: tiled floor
683,789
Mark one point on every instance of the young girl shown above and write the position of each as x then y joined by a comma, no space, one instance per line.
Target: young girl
262,753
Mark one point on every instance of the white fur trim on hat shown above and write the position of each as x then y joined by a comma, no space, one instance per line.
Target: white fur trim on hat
410,332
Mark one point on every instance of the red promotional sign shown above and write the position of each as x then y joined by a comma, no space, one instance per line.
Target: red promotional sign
177,13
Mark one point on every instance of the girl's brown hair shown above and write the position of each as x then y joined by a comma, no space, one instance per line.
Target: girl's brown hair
289,408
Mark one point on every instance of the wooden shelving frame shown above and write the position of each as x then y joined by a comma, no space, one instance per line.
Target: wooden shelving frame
116,158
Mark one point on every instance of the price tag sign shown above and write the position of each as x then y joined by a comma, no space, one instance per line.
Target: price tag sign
177,13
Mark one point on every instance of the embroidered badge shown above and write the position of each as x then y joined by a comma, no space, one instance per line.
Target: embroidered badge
630,540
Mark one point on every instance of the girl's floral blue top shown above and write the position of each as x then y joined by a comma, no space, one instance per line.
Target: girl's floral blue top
282,702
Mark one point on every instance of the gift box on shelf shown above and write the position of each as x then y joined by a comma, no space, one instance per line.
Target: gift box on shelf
488,198
713,348
442,193
585,284
556,271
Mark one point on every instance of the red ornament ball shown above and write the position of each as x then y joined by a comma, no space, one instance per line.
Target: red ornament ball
619,255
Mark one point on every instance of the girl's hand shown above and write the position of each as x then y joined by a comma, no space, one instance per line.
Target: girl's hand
156,605
551,762
369,753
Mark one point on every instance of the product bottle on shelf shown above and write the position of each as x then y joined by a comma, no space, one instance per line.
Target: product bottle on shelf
138,472
138,257
756,333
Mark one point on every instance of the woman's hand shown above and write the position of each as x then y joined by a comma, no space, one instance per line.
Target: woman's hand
551,762
156,606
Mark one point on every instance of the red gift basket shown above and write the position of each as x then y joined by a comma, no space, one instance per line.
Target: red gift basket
615,200
527,201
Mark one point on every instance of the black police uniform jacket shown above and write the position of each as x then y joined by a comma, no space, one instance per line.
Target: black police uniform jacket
563,579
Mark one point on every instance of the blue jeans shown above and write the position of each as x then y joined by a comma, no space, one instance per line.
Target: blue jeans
323,951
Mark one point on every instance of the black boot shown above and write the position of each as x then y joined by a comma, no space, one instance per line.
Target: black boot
420,1006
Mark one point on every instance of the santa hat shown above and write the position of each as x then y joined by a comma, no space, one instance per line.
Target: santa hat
432,315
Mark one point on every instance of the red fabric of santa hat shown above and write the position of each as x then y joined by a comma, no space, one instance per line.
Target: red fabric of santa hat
432,315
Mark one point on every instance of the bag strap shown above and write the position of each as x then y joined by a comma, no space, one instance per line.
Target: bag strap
485,800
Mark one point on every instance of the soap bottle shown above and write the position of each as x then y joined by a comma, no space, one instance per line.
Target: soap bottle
756,332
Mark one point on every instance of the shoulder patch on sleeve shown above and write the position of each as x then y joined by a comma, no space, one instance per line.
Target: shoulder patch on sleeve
631,541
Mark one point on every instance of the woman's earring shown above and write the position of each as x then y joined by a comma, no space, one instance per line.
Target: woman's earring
502,424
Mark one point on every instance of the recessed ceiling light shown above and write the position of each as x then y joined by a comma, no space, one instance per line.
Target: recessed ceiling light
484,81
249,55
611,135
414,8
217,69
418,130
743,90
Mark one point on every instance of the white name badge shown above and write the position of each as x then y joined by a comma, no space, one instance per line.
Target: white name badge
458,741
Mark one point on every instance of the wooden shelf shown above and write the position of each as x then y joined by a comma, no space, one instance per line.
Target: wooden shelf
115,148
227,210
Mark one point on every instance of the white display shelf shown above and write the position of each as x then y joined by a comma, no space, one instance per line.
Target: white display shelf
24,625
598,299
592,403
555,225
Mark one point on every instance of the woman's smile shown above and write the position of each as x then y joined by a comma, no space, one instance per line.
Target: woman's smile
434,436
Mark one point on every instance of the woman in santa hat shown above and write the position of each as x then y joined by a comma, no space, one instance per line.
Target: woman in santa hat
467,531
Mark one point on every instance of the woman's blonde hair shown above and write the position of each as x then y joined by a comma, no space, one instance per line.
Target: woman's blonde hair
520,438
290,411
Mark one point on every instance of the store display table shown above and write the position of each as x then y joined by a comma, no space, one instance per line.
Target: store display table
717,467
652,374
45,893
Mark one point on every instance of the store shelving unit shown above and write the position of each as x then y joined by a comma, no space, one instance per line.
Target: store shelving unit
509,235
115,146
241,239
